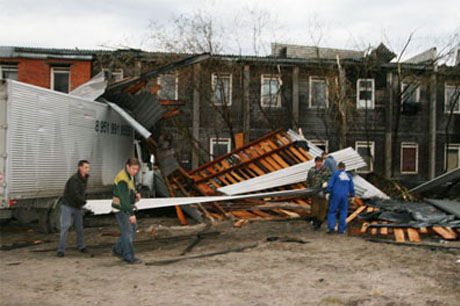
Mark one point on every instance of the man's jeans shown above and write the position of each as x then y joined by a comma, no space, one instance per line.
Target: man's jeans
67,213
124,244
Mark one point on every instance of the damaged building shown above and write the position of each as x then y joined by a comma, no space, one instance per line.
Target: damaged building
403,118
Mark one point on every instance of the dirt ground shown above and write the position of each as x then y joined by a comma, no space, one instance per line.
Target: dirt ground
327,270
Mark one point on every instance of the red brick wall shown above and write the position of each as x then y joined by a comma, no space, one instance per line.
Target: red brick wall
38,71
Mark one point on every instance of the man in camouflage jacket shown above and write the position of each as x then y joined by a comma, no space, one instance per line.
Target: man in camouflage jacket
317,177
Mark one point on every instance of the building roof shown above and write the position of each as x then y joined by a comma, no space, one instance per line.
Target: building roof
44,53
428,56
298,51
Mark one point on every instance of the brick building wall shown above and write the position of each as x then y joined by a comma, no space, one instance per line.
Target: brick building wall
38,71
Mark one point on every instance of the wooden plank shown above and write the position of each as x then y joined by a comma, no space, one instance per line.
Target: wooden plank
450,230
384,231
179,212
399,235
240,223
444,233
423,230
413,235
217,216
374,229
355,214
253,143
275,156
261,214
289,213
364,227
239,140
243,214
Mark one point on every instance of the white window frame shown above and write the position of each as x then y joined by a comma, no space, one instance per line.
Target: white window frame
215,77
114,73
451,146
446,99
60,70
364,102
221,140
317,79
417,91
8,68
409,145
364,144
264,77
321,142
176,85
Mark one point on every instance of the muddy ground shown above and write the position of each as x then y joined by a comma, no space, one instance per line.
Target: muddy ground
326,270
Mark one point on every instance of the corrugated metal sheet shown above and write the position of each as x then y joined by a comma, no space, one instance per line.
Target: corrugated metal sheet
144,107
443,178
452,207
48,132
99,207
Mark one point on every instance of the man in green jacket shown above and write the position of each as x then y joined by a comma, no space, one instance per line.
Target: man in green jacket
124,198
317,177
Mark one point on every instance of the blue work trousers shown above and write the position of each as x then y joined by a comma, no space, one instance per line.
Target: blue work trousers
124,245
340,203
67,214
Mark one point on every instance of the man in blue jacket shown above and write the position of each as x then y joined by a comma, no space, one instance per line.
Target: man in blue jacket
340,186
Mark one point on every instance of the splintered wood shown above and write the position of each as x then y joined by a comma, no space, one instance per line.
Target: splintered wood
400,234
272,152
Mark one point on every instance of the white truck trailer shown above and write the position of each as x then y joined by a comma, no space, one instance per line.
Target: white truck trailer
43,135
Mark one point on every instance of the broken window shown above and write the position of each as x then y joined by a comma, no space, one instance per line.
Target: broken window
410,93
409,158
318,93
219,146
366,150
452,98
452,156
270,91
222,89
60,79
365,94
9,72
169,87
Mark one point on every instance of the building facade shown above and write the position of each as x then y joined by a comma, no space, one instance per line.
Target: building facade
403,118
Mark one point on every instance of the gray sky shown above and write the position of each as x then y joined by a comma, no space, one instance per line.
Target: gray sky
91,24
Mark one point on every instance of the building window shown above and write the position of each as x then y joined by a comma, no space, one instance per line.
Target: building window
270,91
322,144
318,93
114,76
409,158
9,72
367,151
219,146
60,79
365,93
222,89
169,86
451,97
452,156
410,93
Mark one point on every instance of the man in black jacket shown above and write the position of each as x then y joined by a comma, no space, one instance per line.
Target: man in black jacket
72,202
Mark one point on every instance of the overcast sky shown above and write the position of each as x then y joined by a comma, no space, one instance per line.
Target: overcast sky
91,24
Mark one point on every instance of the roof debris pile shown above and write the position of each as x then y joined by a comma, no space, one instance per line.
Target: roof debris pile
387,218
275,162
